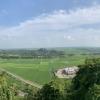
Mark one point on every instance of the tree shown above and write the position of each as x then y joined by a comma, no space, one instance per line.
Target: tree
48,92
86,82
93,93
5,91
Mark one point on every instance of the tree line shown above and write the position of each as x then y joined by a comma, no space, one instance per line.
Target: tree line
39,53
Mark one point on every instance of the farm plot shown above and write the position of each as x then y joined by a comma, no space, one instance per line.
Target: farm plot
38,70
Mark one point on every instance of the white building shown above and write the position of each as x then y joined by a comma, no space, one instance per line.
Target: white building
68,72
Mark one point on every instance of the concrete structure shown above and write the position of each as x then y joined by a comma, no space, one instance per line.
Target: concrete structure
67,72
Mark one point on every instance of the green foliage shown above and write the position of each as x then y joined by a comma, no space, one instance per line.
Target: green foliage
48,92
6,93
29,92
86,84
93,93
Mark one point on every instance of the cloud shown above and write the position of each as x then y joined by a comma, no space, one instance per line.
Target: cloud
69,38
59,28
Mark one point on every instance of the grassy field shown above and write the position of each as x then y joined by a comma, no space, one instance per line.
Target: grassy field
41,70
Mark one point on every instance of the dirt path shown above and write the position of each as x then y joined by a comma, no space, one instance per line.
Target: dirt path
21,79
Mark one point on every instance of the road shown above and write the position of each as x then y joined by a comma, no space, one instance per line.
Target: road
21,79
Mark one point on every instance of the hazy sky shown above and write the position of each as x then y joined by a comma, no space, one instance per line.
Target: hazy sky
49,23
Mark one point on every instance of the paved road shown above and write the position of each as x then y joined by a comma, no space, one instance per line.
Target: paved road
21,79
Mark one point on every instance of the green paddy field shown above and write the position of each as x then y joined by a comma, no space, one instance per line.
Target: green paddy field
38,70
41,70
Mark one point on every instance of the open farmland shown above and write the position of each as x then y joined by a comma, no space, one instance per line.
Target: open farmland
41,70
38,70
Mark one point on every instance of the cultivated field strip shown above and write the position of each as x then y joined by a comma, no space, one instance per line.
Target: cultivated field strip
21,79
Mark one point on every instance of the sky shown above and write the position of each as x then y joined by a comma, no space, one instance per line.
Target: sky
49,23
